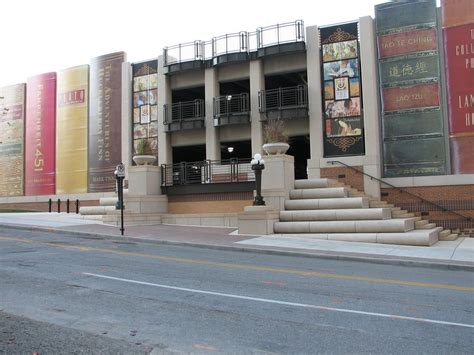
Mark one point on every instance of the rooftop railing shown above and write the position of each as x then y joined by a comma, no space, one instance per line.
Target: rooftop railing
241,42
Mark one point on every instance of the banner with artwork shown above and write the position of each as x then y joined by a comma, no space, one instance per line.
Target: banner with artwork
341,88
71,130
145,104
458,33
412,119
40,135
105,120
12,122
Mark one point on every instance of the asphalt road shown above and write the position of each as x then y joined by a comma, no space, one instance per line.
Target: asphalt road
71,294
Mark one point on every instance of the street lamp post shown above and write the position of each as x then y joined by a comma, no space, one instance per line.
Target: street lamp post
120,176
258,164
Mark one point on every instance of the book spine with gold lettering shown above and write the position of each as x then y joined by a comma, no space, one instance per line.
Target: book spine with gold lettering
71,130
458,33
40,135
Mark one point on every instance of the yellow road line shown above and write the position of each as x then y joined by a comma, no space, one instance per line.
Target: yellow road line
246,267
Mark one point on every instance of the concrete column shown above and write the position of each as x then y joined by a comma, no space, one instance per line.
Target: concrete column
314,100
127,116
370,95
165,154
211,89
278,178
257,83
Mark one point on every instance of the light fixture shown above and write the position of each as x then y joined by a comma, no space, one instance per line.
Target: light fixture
230,149
229,97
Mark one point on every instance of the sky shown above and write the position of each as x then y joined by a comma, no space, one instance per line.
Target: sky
39,36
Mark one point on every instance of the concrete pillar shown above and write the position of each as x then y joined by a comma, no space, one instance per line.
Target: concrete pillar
165,154
257,83
370,95
211,90
127,117
314,100
278,178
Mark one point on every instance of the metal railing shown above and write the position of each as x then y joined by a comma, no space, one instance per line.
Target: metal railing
183,52
185,110
283,98
231,104
230,43
207,172
280,34
401,189
240,42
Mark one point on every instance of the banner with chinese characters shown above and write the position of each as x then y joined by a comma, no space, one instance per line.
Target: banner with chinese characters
342,94
71,130
145,104
12,122
105,120
409,70
459,56
40,135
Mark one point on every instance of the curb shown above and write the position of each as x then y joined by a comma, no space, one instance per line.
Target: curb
366,258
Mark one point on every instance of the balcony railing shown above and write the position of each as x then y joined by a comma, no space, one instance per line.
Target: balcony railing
240,42
228,109
207,172
295,97
184,111
183,52
280,34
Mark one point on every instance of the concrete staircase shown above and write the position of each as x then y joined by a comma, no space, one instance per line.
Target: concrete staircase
108,214
328,209
106,205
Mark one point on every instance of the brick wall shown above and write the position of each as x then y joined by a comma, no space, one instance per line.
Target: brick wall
459,198
232,202
345,175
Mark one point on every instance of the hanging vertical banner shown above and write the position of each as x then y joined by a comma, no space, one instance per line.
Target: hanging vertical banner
12,122
341,90
105,120
40,135
457,12
458,20
412,119
145,104
71,130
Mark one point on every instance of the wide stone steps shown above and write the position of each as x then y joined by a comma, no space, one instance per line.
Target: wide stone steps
418,237
329,192
329,209
327,203
96,210
446,235
336,214
368,226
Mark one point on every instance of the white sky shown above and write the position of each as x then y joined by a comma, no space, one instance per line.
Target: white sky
38,36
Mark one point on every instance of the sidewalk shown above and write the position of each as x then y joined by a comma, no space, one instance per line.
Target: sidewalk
459,253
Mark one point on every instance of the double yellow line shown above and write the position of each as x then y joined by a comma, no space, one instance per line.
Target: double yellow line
244,266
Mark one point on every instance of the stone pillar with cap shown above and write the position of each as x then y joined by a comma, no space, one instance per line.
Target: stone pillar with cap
278,178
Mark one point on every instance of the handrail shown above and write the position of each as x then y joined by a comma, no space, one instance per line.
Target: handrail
401,189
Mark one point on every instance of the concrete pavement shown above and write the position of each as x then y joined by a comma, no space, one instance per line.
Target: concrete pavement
459,253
